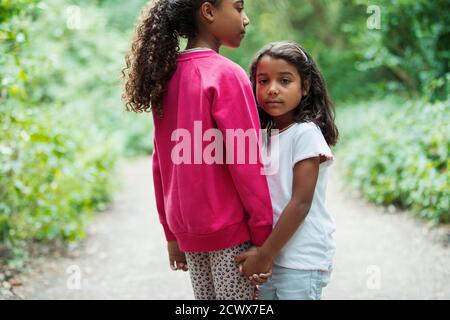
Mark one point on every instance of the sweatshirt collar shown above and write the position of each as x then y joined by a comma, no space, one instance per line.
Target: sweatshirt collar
195,53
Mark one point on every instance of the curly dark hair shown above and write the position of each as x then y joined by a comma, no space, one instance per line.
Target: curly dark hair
316,107
151,60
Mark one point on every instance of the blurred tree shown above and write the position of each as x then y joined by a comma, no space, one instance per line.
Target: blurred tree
413,45
408,55
15,18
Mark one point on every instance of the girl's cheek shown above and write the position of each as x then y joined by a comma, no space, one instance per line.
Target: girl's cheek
259,100
258,93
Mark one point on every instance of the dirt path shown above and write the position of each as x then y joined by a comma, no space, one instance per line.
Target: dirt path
380,255
385,255
124,256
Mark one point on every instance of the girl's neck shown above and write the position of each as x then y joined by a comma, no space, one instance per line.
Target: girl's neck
203,42
284,121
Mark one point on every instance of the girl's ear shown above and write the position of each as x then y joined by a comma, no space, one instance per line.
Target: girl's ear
305,87
207,12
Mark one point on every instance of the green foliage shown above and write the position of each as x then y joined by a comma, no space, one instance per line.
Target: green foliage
322,27
81,68
409,55
399,154
267,19
14,22
412,47
51,177
62,121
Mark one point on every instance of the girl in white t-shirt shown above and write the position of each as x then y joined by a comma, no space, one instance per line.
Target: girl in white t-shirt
298,118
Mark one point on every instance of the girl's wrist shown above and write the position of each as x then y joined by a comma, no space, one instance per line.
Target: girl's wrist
266,254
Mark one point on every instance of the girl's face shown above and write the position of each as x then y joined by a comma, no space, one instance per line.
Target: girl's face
229,22
278,87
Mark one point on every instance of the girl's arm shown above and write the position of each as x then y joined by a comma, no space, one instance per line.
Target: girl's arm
260,260
159,195
177,258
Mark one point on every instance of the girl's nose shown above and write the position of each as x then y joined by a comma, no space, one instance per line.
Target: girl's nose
273,91
246,20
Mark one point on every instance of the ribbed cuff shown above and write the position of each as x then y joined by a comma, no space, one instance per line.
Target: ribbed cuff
260,234
169,235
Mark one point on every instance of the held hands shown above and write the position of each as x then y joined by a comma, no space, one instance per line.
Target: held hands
254,265
177,258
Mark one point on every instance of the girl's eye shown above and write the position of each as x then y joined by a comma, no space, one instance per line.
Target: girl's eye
285,81
262,82
240,9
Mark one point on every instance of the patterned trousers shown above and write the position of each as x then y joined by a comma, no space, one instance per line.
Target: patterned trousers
215,275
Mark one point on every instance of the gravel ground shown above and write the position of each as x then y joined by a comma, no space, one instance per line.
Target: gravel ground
385,254
381,254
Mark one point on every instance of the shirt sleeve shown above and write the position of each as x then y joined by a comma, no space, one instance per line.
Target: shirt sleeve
234,107
159,195
310,143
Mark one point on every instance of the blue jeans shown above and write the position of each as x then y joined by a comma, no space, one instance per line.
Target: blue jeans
292,284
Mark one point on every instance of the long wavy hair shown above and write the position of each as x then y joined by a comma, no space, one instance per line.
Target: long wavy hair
151,60
316,107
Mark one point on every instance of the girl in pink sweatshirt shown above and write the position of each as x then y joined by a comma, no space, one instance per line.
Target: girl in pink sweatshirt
212,196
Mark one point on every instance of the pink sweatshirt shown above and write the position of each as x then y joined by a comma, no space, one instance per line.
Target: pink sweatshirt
208,207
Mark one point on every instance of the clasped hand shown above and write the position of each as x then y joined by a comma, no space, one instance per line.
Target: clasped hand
254,265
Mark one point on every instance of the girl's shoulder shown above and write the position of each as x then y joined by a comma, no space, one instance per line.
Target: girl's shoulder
307,127
214,71
218,68
228,69
308,133
226,62
308,141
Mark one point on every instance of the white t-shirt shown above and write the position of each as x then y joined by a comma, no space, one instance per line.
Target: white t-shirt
312,246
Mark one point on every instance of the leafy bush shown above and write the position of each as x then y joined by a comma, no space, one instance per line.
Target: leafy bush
400,155
412,46
15,19
53,175
81,68
62,122
409,55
